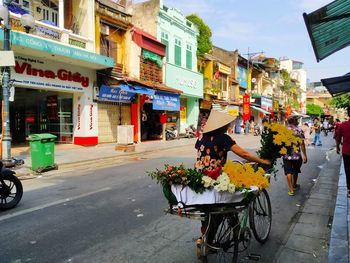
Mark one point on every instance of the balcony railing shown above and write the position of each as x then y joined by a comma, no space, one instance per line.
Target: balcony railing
53,33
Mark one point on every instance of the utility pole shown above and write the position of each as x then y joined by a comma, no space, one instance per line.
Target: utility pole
6,134
248,92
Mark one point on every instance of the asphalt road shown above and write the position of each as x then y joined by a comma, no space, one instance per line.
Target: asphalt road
116,214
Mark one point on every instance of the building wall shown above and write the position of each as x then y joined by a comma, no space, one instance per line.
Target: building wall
173,23
145,16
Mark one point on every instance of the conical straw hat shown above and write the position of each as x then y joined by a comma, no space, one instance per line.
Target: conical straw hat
217,120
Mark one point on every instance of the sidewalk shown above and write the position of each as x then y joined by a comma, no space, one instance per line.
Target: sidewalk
310,238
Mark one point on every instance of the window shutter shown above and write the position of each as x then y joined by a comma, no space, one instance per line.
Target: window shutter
177,55
165,42
189,59
113,50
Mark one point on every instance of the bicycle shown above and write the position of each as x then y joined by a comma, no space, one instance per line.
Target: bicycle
230,225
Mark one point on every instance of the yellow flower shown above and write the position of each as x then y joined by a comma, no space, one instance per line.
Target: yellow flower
283,151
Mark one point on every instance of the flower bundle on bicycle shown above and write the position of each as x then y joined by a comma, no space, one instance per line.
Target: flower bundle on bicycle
276,141
232,178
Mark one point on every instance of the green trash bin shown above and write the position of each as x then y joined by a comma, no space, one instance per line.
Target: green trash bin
42,151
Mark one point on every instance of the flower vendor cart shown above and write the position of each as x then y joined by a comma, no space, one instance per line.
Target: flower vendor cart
232,207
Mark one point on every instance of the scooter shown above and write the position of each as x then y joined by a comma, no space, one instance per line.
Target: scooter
11,189
257,131
191,131
171,133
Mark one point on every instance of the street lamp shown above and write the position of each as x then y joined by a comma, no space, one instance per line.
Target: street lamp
28,23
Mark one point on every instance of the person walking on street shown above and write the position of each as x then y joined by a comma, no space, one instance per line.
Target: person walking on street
293,160
343,137
307,132
317,130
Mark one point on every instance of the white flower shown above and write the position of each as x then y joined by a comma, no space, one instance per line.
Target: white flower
231,188
207,181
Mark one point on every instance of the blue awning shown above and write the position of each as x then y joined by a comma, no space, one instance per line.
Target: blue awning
337,85
137,89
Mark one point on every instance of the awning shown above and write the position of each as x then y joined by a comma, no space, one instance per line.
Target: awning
337,85
147,41
137,89
329,28
259,109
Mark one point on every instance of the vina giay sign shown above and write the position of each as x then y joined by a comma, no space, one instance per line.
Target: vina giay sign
47,74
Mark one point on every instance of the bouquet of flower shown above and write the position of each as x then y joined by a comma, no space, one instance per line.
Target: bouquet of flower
234,177
276,141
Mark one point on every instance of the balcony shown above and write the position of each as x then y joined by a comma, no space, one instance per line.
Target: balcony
212,87
62,21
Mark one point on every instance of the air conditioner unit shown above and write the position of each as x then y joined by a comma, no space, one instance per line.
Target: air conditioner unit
223,94
104,30
125,134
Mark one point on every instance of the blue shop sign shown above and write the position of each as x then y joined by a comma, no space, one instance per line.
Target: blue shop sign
242,77
166,101
115,95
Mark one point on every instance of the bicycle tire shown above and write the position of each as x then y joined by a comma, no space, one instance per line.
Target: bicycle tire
260,212
224,247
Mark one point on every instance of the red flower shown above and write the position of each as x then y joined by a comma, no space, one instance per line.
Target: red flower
214,174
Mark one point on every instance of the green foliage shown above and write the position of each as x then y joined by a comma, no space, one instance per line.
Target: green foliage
314,110
179,175
341,101
204,42
287,83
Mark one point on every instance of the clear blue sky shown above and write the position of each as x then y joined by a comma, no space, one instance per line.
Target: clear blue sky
274,26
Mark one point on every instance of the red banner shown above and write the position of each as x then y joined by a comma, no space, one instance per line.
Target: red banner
246,108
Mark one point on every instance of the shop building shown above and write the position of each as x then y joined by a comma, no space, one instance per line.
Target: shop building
54,78
179,36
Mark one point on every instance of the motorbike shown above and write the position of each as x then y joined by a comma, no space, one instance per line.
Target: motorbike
191,132
257,131
11,189
171,133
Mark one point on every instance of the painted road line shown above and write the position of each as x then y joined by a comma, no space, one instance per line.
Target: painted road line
58,202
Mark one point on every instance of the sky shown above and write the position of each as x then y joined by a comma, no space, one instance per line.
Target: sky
275,27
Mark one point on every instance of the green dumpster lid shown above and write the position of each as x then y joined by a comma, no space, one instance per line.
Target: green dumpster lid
41,136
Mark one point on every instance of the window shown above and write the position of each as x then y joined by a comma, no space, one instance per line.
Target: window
165,40
108,47
49,12
189,57
178,52
223,81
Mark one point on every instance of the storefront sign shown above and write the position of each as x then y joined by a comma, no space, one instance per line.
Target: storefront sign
31,42
183,118
115,94
166,101
224,69
242,77
266,103
246,108
190,82
61,74
78,115
45,74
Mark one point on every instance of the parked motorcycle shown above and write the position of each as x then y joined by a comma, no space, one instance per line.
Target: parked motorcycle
171,133
11,189
191,131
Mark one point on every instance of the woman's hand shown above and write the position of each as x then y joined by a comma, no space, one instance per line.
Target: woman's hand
265,162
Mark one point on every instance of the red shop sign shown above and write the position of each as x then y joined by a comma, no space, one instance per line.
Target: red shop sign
246,108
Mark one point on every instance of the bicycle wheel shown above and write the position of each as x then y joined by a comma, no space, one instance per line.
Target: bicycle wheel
260,216
223,245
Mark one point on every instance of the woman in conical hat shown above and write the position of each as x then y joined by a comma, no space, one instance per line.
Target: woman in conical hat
213,146
212,150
